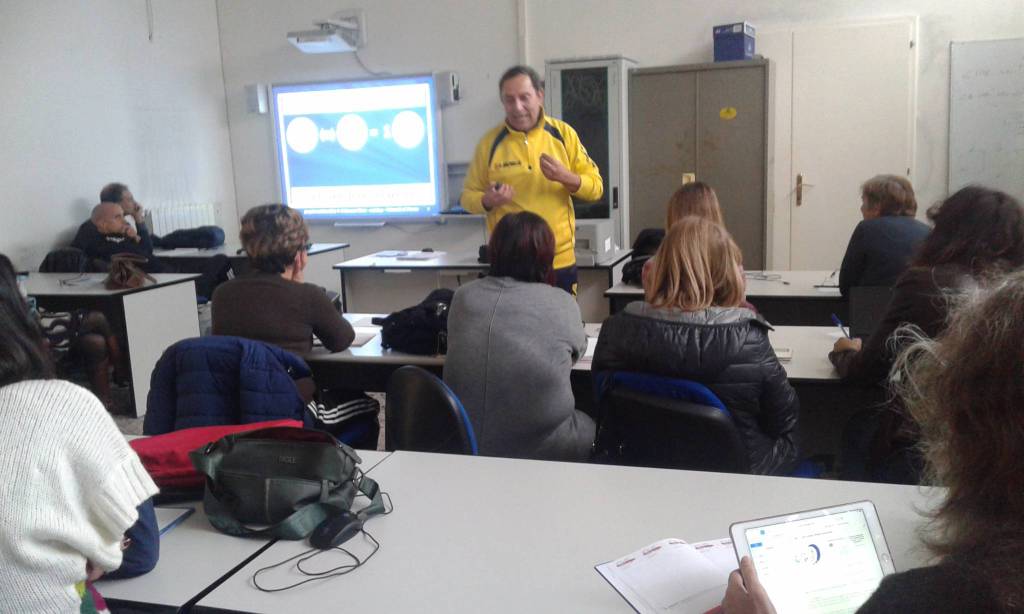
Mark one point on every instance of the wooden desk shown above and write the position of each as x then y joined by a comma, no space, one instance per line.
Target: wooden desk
194,557
387,283
784,297
476,534
152,317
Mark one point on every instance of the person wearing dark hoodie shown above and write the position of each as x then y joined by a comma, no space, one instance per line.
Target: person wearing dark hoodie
692,326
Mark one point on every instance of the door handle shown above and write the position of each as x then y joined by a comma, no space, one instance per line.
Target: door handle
800,185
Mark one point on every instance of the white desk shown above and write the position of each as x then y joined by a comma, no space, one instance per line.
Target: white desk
322,257
474,534
152,317
377,283
810,345
783,297
234,252
194,556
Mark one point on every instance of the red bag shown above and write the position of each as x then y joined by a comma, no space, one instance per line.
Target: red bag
166,459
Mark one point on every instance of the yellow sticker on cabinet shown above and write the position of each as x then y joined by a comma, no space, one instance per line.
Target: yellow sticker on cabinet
727,113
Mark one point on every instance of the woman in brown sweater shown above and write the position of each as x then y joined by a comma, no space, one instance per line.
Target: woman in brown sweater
273,303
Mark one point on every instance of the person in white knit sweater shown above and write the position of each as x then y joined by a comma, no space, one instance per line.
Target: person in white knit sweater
71,483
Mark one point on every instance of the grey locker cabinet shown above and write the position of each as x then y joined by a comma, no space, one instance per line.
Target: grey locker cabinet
711,120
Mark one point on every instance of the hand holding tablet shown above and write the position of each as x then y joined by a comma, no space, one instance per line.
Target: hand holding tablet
825,560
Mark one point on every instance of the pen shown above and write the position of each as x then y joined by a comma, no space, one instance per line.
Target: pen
839,323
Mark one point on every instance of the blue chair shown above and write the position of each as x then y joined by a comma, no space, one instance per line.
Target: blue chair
422,414
652,421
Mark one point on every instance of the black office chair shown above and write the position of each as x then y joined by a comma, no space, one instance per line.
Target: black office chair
651,421
868,305
422,414
65,260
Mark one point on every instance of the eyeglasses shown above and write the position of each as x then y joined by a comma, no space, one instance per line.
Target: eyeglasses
307,246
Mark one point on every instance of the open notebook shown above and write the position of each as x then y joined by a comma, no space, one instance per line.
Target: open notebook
673,576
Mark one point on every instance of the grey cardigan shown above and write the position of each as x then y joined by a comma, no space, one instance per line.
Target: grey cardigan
511,347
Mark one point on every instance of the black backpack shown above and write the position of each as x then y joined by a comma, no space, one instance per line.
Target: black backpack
420,329
644,248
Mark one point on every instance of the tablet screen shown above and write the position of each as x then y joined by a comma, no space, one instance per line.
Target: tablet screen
821,564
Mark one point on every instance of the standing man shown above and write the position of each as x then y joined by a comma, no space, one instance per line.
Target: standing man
532,162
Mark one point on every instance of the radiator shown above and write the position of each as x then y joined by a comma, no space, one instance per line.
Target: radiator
164,219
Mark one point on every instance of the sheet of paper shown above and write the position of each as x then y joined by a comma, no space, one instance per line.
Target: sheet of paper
591,347
419,255
364,335
169,517
363,322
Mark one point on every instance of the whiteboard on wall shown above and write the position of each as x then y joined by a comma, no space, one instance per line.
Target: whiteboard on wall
986,115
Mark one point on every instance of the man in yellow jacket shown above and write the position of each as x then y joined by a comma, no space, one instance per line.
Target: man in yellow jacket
532,162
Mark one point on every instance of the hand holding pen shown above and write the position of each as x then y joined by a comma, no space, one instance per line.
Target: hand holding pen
844,343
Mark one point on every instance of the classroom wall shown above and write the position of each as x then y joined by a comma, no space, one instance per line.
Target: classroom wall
480,39
88,99
402,38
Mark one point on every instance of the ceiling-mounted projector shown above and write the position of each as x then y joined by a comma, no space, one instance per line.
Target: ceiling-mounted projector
333,35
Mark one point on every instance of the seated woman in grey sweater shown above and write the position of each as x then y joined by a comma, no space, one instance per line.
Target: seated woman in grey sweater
512,341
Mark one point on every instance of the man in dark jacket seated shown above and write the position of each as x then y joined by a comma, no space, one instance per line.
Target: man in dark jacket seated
107,232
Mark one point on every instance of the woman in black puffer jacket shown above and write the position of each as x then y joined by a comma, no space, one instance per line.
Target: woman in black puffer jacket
691,326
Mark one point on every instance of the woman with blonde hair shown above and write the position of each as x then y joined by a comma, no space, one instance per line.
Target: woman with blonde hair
693,326
694,198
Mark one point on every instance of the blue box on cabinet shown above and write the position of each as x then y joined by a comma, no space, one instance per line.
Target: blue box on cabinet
734,41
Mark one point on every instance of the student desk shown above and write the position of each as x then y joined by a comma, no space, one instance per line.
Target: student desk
322,257
792,298
194,557
386,283
477,534
367,367
239,259
151,317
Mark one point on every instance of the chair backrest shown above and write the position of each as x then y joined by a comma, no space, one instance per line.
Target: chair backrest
65,260
868,305
422,414
208,381
652,421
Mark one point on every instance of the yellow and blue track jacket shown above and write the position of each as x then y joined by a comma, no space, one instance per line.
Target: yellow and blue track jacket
512,157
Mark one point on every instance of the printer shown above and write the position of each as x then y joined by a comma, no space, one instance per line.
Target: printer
594,241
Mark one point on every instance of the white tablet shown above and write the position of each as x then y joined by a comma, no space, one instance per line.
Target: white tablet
825,560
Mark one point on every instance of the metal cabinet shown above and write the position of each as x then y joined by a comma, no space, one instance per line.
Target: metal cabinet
711,121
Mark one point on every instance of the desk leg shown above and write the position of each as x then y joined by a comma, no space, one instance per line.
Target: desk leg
154,320
344,294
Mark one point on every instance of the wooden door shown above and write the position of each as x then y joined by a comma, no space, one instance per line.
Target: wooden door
852,118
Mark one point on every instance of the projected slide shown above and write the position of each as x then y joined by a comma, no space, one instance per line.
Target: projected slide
366,149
